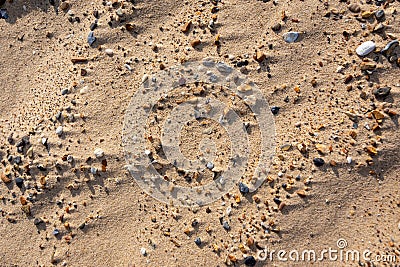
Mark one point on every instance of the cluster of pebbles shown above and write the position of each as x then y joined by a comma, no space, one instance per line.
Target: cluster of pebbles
27,162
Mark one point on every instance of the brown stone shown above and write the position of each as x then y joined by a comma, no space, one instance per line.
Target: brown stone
186,27
195,42
4,178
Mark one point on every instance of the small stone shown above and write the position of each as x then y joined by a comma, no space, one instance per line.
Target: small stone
186,27
301,193
378,27
275,110
379,14
276,27
37,221
244,189
195,43
64,6
286,147
210,165
250,261
56,232
84,90
367,65
318,162
291,37
250,241
277,200
365,48
4,178
349,160
372,151
99,153
19,182
323,149
59,130
226,225
355,8
366,14
143,251
260,56
197,241
91,39
109,52
377,115
389,48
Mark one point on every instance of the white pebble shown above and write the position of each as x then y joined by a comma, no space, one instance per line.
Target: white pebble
349,160
98,152
84,90
365,48
59,130
143,251
109,52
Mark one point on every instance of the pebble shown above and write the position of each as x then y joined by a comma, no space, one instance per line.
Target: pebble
210,165
109,52
365,48
318,162
379,14
291,37
59,130
276,27
349,160
143,251
91,39
19,182
195,43
355,8
275,110
250,261
98,152
37,221
226,225
84,90
56,231
244,189
64,91
3,13
381,92
388,49
197,241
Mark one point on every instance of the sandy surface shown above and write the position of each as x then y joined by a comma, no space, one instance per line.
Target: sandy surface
106,219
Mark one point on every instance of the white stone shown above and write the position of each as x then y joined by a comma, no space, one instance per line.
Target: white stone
109,52
98,152
84,90
365,48
59,130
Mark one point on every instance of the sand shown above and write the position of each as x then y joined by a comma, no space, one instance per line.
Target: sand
327,110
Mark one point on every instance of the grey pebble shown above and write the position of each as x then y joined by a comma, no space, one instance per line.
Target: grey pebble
291,37
388,49
379,14
381,92
91,39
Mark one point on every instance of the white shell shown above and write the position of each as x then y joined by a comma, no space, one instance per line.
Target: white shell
365,48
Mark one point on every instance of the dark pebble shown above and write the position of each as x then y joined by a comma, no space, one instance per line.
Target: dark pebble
41,168
82,225
381,92
380,14
3,13
242,63
244,189
56,232
37,221
52,2
10,158
250,261
284,186
197,241
277,200
318,162
91,39
93,26
64,91
18,160
19,182
226,225
276,27
275,110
